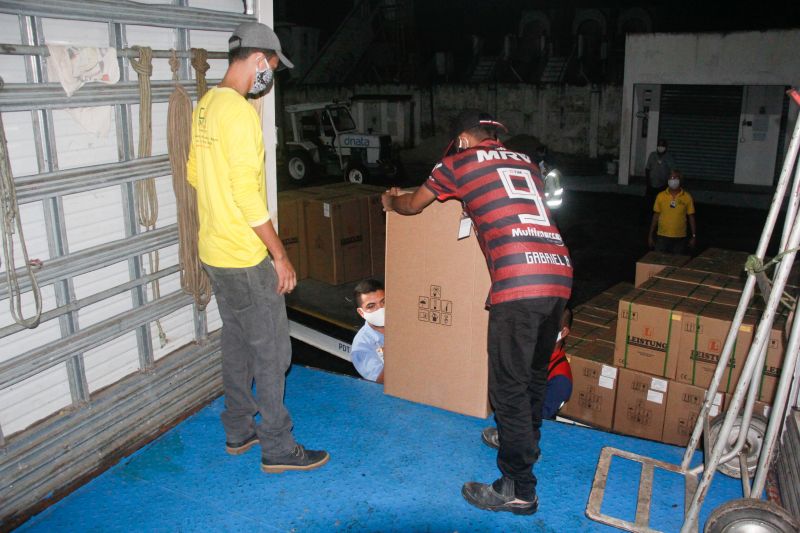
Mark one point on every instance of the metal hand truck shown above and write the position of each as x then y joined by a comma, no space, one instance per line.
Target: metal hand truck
750,514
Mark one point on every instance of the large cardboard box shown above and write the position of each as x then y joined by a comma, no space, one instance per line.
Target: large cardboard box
641,404
376,219
436,320
654,262
377,231
683,405
292,227
337,237
648,333
594,315
593,384
703,334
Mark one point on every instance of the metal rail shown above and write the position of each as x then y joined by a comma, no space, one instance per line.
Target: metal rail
32,362
47,96
106,254
63,182
124,12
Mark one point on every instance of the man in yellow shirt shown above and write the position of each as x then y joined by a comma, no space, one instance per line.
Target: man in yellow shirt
244,257
672,208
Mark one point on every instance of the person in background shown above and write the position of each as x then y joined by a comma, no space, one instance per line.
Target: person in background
657,170
531,274
243,255
672,208
367,349
559,381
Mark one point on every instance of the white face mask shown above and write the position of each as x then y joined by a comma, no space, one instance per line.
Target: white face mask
375,318
673,183
661,149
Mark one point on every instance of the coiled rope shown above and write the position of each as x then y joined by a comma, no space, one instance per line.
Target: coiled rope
194,280
11,224
145,189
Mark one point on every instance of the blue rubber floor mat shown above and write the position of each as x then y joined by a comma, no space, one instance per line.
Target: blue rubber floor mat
395,466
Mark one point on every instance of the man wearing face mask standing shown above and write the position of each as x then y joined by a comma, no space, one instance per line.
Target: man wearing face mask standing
671,209
243,255
367,349
657,170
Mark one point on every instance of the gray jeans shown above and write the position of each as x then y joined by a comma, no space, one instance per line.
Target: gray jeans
255,346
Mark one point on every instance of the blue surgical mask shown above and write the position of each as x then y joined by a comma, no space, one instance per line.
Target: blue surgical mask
263,80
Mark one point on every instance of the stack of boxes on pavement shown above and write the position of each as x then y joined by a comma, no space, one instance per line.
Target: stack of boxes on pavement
643,355
334,233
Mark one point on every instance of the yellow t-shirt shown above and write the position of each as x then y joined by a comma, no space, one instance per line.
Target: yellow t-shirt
672,212
226,167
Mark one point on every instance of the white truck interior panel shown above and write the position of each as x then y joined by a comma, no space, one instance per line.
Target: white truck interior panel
120,351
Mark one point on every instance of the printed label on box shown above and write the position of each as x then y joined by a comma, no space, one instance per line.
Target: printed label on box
464,228
659,384
655,396
606,382
609,372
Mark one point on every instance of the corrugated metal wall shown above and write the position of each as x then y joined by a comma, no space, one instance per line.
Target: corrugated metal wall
701,123
94,379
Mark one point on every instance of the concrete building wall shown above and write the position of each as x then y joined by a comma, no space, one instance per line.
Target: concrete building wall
750,59
575,120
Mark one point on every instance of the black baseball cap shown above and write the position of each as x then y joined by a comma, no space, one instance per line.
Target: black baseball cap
259,36
474,118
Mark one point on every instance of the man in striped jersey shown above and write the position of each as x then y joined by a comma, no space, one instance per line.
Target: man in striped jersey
531,275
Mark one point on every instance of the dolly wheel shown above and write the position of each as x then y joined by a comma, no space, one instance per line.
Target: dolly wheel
752,444
751,516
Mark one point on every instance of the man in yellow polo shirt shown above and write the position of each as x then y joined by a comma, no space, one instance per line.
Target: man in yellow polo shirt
672,208
244,257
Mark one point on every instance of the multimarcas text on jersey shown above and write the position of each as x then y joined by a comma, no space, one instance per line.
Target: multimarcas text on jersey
501,191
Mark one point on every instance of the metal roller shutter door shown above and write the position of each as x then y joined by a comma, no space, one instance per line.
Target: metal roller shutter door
701,123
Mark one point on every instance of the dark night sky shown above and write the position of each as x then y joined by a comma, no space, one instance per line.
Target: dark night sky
437,21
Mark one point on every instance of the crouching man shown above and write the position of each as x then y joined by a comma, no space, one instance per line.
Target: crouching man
367,350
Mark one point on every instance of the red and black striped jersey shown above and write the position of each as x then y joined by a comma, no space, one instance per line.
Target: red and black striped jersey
502,193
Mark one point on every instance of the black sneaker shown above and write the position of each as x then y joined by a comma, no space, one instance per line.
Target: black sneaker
491,438
298,459
238,448
484,496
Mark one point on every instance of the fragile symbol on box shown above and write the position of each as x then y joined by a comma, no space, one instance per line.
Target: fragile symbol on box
590,400
433,309
637,413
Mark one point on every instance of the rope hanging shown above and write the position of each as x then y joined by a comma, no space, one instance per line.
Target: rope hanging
194,280
201,66
756,267
145,189
11,224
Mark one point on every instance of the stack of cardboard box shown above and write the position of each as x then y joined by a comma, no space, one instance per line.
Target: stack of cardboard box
669,333
334,233
642,357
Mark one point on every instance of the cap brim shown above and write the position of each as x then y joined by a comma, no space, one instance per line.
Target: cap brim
285,63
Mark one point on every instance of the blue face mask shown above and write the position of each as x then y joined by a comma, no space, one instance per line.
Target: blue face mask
263,81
